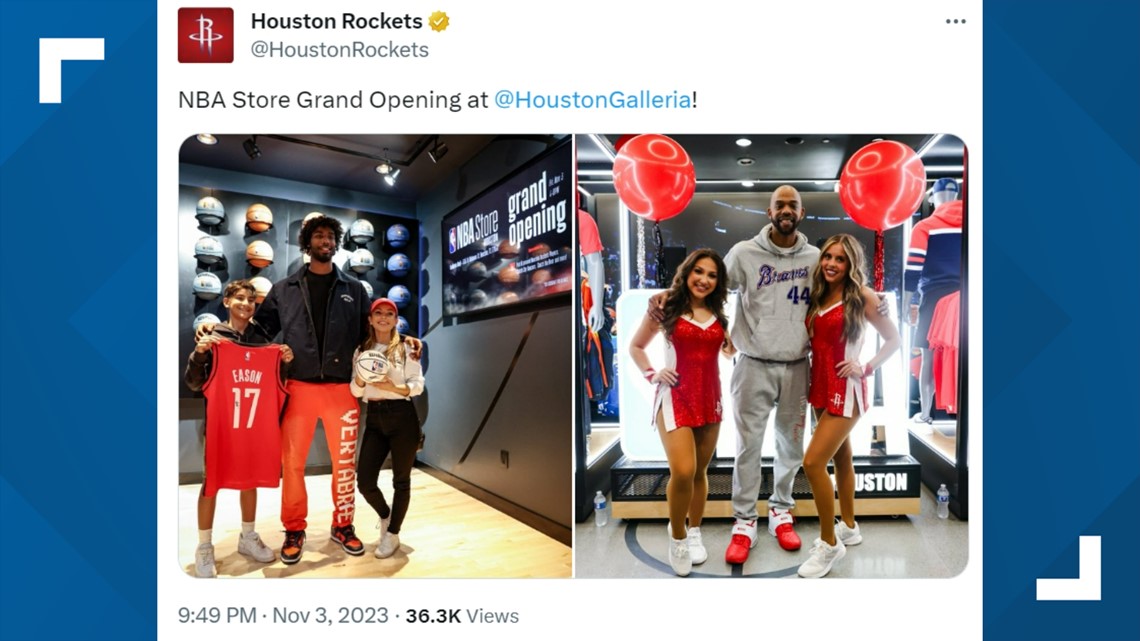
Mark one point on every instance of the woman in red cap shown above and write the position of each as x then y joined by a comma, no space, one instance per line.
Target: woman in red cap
387,378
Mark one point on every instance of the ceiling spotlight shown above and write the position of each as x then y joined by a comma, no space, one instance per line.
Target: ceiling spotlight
747,183
385,167
438,150
743,142
207,139
251,148
745,161
826,141
794,140
390,179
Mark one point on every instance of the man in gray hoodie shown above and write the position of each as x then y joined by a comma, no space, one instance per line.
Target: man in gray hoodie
772,274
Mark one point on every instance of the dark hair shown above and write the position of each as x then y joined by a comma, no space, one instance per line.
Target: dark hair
678,300
315,223
236,285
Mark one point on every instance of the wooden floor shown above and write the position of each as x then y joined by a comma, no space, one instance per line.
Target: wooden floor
446,534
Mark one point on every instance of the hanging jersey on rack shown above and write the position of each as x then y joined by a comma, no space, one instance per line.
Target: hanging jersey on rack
244,397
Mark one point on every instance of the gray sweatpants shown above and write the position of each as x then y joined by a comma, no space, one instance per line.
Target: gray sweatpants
757,386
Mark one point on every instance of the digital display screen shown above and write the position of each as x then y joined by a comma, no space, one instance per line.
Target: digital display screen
512,243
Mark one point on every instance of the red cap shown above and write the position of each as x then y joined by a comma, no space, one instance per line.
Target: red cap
384,301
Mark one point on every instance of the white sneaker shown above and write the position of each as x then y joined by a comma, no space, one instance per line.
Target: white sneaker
252,546
697,551
204,566
679,556
849,535
389,543
823,556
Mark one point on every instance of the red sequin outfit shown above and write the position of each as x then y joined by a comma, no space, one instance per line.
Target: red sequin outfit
839,396
693,351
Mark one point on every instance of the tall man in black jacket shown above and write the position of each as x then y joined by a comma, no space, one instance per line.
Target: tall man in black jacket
322,315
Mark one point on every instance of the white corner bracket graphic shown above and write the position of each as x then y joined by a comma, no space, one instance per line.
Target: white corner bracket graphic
53,51
1086,587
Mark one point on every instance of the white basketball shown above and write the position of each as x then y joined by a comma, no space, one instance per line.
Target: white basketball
208,250
361,261
361,231
372,366
210,211
261,287
207,286
309,216
205,318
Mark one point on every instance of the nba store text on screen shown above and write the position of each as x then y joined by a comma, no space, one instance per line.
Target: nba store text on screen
546,219
480,227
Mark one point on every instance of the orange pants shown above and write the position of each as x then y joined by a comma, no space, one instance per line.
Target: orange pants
339,411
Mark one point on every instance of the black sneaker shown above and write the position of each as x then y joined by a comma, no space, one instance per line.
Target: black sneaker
345,537
293,547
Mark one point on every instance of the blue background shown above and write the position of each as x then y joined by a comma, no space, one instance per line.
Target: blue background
77,327
1062,448
1062,444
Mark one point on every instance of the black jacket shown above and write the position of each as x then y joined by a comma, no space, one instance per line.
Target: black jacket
287,309
198,365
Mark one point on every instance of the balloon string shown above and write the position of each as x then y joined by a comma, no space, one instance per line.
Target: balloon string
660,254
878,261
640,251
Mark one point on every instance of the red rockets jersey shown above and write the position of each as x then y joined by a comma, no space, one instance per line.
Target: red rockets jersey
244,397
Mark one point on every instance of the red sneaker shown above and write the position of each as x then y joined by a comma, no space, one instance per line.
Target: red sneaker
781,524
294,546
346,538
743,540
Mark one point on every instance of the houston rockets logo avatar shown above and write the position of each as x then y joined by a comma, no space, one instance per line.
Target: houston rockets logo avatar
206,35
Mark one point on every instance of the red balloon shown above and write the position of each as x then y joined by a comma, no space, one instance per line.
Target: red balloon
882,185
654,177
622,140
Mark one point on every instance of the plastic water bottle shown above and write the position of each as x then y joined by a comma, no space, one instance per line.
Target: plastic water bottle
601,513
943,502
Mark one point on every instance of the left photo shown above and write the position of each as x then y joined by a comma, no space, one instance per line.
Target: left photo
375,371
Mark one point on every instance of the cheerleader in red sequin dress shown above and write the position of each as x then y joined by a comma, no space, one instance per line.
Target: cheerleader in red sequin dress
841,305
687,409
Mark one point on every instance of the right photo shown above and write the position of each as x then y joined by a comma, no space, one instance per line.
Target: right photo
773,356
